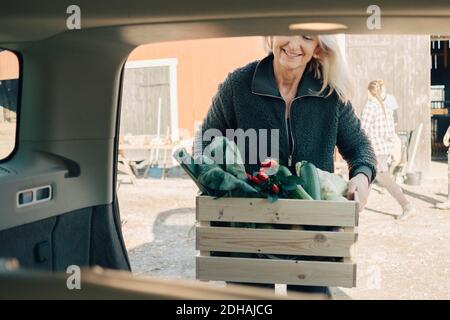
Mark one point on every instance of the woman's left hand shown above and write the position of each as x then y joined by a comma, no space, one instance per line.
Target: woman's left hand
360,184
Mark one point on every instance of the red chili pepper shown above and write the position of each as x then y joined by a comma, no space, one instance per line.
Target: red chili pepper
257,181
254,179
264,170
268,163
275,188
262,176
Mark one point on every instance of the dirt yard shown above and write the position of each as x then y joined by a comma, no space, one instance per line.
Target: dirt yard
396,259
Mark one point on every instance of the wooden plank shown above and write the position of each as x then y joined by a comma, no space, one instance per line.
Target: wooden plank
353,247
356,197
203,225
202,253
310,243
412,150
123,165
350,259
283,211
309,273
339,294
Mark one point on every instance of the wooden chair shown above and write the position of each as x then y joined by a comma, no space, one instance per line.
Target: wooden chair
308,271
124,168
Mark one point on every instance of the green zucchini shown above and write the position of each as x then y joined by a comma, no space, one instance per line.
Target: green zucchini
298,192
308,173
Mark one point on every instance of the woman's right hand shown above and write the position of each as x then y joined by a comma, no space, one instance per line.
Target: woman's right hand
360,184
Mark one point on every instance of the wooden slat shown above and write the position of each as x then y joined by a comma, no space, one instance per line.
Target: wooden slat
357,207
350,259
353,230
206,225
203,253
311,243
283,211
311,273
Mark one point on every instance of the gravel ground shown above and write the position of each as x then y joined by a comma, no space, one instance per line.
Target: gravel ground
158,219
396,259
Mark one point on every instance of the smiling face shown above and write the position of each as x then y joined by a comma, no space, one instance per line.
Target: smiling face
294,52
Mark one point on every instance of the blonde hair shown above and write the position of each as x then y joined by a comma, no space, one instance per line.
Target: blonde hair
330,67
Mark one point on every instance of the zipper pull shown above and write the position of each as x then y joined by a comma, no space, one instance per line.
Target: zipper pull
290,161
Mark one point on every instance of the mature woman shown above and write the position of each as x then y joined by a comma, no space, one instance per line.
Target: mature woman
302,89
378,122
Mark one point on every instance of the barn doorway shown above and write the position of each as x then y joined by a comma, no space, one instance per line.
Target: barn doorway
149,113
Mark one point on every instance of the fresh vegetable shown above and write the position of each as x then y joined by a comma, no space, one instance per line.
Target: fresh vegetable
302,193
265,164
210,178
225,153
262,176
255,180
223,174
308,174
275,188
284,171
220,182
268,163
296,190
332,186
188,164
269,167
267,182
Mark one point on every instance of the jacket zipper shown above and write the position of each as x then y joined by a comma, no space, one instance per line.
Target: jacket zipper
290,139
288,132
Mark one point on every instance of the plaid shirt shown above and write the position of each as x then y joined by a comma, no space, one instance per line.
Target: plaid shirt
379,127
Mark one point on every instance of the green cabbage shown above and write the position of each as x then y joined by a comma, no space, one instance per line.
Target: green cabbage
332,186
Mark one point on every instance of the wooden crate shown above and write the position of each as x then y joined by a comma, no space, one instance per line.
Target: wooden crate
308,244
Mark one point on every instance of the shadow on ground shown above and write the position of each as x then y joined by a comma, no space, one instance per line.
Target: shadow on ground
421,197
172,252
381,212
